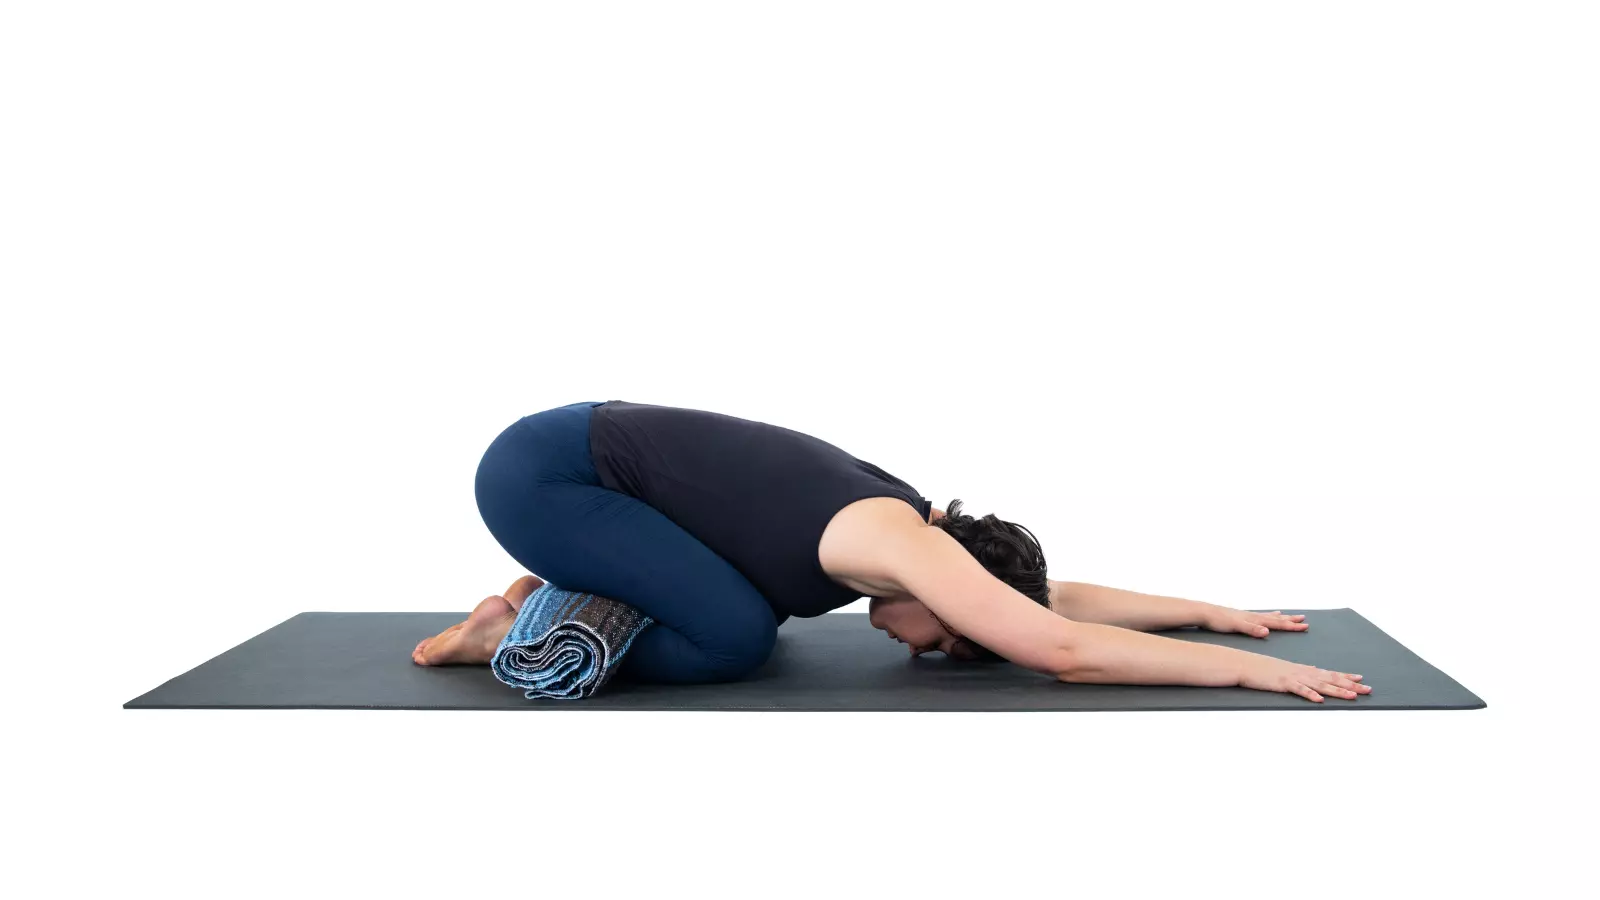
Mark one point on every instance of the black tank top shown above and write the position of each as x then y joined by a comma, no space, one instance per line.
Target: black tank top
758,495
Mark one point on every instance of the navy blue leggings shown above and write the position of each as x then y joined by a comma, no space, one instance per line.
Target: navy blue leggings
540,496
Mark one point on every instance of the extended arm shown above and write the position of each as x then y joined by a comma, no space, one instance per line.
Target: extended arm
893,550
931,566
1125,609
1153,612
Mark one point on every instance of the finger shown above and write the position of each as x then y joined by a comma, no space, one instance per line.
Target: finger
1333,690
1279,620
1253,624
1307,693
1351,682
1270,620
1343,682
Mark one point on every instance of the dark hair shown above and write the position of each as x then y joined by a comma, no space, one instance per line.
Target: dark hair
1006,550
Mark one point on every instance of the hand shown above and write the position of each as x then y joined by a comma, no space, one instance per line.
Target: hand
1266,673
1221,618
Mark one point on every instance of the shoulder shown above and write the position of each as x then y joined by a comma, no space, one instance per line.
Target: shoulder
858,545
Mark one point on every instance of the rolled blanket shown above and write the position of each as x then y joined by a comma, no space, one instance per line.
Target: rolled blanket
565,645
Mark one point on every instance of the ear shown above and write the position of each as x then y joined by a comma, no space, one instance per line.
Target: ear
934,515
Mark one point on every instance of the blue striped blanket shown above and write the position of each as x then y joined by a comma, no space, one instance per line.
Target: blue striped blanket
565,645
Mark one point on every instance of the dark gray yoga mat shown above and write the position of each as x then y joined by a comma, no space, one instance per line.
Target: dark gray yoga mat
362,660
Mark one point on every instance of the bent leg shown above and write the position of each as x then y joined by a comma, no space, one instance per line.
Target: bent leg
711,624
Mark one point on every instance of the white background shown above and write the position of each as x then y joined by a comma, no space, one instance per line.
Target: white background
1269,305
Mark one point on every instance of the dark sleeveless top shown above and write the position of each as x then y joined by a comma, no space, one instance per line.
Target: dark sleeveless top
758,495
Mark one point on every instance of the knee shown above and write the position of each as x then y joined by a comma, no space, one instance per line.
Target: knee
756,640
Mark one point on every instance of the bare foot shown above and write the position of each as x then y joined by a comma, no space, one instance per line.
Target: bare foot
473,642
521,589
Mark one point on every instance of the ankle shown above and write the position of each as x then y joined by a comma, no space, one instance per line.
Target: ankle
496,633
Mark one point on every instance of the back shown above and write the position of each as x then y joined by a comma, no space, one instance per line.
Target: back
758,495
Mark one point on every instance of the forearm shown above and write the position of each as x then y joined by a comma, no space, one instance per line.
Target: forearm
1125,609
1107,654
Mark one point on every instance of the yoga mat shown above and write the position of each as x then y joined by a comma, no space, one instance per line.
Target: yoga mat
362,660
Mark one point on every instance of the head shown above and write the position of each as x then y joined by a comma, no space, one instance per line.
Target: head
1006,550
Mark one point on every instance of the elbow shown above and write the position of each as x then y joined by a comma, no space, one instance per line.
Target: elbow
1068,662
1067,667
1080,657
1077,670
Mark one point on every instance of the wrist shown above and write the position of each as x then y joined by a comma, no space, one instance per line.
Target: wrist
1203,615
